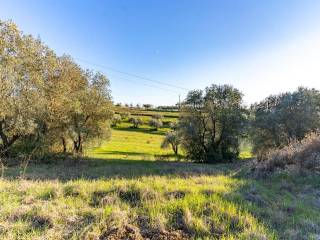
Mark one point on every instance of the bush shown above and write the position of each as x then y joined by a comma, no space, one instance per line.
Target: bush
284,118
157,116
155,123
116,120
124,115
136,122
304,154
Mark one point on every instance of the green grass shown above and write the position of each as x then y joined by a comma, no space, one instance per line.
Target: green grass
141,143
120,189
84,199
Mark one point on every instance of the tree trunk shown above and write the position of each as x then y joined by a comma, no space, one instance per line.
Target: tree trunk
175,149
64,144
77,145
6,143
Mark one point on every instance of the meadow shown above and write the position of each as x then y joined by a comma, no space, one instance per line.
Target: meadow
124,189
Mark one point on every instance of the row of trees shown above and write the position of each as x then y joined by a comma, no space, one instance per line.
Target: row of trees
214,121
47,100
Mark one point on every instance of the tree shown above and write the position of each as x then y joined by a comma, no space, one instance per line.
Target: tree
125,115
47,100
155,123
136,122
116,120
281,119
211,123
157,116
92,117
172,139
21,83
147,106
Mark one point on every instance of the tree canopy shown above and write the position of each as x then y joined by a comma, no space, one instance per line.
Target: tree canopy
47,99
211,123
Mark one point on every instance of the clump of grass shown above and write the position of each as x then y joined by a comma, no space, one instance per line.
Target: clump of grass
97,197
46,193
71,191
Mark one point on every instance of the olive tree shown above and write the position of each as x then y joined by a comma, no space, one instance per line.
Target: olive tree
116,120
172,139
281,119
136,122
155,123
211,123
21,83
45,99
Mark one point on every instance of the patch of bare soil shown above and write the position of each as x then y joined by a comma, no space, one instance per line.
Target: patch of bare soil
130,232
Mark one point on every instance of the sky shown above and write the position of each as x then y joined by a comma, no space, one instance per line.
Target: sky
155,50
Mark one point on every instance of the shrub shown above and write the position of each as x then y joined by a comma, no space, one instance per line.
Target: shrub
124,115
155,123
304,154
281,119
136,122
157,116
116,120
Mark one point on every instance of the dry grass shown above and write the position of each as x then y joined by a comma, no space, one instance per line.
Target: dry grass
298,155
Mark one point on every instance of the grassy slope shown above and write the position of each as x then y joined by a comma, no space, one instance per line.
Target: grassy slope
132,144
72,200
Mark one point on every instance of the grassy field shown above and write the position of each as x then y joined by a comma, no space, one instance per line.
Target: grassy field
119,191
128,143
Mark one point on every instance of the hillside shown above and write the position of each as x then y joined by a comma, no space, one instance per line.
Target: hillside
124,189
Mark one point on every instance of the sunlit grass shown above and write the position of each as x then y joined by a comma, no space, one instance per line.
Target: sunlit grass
119,184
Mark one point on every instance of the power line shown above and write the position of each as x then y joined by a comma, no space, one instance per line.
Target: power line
131,74
164,89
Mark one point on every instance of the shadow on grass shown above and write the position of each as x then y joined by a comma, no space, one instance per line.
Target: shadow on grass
95,168
126,153
140,130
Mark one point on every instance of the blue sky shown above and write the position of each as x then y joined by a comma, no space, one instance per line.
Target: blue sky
260,47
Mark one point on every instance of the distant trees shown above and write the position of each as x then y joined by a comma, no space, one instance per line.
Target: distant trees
46,100
155,123
211,124
147,106
116,120
136,122
281,119
157,116
124,115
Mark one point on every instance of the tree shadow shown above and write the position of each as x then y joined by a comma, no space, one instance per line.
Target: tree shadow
140,130
126,153
281,201
96,168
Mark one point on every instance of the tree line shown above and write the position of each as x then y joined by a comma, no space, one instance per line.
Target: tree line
47,101
50,103
213,123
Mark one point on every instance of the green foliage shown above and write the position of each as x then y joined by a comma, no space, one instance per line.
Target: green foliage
211,124
155,123
172,139
124,115
116,120
280,119
136,122
48,101
157,116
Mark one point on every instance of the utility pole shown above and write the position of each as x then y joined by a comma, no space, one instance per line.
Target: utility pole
179,103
